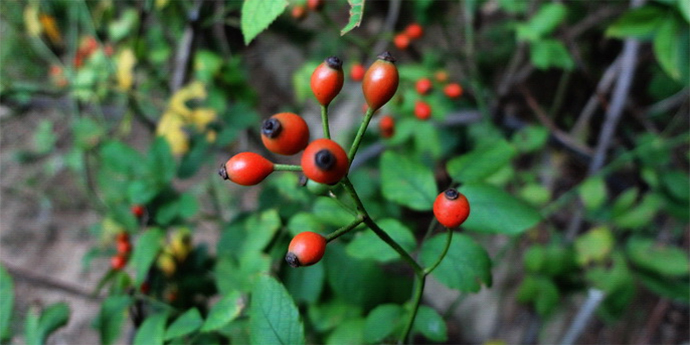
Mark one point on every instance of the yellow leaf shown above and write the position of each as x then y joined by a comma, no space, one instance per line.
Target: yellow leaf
31,21
161,3
125,64
201,118
191,91
171,127
51,28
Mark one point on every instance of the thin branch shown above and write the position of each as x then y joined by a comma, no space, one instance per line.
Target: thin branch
19,273
597,98
388,26
594,298
184,49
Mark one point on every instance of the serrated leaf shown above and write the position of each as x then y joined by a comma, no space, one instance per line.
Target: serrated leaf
152,330
639,22
493,210
481,162
593,192
356,14
240,275
466,266
257,15
407,182
7,298
366,245
382,322
187,323
274,318
548,53
223,312
430,324
111,318
146,249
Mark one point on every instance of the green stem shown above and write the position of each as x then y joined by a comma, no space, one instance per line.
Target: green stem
360,134
345,229
416,300
431,268
324,122
286,167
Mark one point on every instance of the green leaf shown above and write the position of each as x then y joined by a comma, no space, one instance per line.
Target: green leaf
187,323
206,65
430,324
223,312
111,317
305,221
124,25
31,333
44,137
119,157
594,246
52,318
161,162
548,17
640,215
593,192
257,15
407,182
188,205
305,285
350,331
301,82
611,277
624,201
382,322
671,45
535,194
7,298
366,245
274,318
549,53
260,229
676,288
152,330
530,138
146,249
639,22
327,315
354,280
676,184
661,259
466,265
356,14
494,211
240,275
684,9
481,162
330,212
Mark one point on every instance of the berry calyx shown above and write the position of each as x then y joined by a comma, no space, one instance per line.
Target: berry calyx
306,249
453,90
357,72
387,126
401,41
380,81
327,80
451,208
423,86
414,31
324,161
246,169
422,110
285,133
118,262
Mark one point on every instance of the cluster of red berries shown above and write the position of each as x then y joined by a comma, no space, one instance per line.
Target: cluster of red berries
422,109
300,11
411,32
124,248
88,46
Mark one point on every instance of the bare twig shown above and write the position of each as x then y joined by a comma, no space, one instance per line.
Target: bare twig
594,298
389,24
48,282
604,85
184,49
560,135
654,320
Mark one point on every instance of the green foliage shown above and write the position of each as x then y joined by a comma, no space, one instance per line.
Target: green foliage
407,182
493,210
223,312
274,316
467,265
185,324
258,15
7,296
152,330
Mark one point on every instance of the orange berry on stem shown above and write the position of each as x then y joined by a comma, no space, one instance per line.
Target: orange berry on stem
327,80
451,208
306,249
324,161
423,86
422,110
246,168
380,81
285,133
453,90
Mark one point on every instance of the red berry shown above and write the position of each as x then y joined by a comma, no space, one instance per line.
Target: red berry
315,5
401,41
414,31
285,133
380,81
453,90
306,249
357,72
327,80
422,110
387,126
441,76
122,237
423,86
138,210
118,262
451,208
299,12
246,168
324,161
124,247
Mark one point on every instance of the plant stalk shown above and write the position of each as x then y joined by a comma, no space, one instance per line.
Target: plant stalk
324,122
360,134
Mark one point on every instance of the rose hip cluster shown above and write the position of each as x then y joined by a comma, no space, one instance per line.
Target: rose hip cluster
323,160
